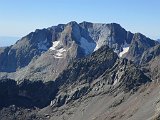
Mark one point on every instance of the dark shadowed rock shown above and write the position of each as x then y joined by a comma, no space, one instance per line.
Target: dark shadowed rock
27,93
8,92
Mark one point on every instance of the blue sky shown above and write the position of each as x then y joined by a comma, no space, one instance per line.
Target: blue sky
19,17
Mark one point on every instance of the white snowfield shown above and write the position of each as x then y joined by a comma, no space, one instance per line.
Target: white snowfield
125,50
99,44
59,52
54,45
87,46
115,82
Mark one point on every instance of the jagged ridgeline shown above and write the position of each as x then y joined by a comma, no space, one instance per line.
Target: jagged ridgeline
80,71
43,54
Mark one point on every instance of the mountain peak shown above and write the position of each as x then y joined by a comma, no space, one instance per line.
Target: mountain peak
68,41
72,23
138,36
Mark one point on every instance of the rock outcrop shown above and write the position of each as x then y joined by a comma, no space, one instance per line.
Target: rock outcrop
139,45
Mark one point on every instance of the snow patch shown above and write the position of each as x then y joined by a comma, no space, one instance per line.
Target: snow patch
125,50
115,82
57,56
55,44
87,46
61,50
100,43
58,52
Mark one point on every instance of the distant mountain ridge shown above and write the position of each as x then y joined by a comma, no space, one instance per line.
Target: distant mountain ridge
47,52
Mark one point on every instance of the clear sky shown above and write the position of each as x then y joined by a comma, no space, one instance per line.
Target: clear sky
19,17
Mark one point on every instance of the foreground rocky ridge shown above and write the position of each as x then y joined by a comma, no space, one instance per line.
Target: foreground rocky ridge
74,86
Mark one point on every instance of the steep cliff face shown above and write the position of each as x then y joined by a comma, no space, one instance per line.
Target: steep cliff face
150,54
112,35
150,62
139,45
23,51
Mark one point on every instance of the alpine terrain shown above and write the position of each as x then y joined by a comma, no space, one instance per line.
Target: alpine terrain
80,71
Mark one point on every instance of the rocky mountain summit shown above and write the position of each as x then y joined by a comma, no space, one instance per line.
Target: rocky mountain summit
44,54
139,45
80,71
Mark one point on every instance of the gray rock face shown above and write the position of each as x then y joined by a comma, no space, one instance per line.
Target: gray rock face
139,45
112,35
92,74
150,62
20,54
154,68
126,76
150,54
73,82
